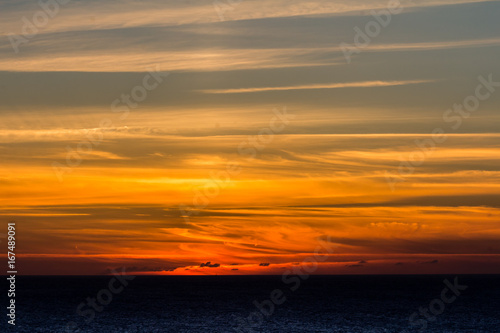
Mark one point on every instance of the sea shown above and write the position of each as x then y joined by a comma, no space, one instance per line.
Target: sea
358,303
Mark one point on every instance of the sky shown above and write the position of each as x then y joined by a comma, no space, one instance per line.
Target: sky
239,137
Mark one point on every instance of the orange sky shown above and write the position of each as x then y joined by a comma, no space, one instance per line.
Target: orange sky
157,138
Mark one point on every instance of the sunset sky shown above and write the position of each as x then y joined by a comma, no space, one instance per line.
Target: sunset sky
98,179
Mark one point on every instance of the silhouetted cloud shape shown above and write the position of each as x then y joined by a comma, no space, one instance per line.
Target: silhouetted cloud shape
265,264
209,264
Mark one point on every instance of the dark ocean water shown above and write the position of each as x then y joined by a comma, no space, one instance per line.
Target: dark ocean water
225,304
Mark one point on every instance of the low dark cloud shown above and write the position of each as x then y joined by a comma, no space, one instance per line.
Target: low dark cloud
264,264
209,264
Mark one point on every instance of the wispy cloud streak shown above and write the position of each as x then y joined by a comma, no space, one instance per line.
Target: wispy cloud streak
365,84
